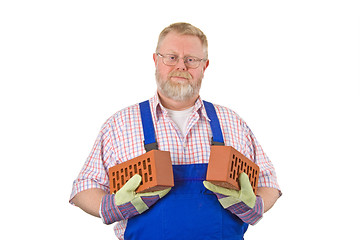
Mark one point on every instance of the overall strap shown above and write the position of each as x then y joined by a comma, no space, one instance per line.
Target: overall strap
217,138
148,126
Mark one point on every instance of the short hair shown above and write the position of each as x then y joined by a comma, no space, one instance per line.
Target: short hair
183,28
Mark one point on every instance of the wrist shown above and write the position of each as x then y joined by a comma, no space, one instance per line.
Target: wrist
247,214
109,211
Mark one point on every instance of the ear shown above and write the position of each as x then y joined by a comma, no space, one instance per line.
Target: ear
206,65
155,59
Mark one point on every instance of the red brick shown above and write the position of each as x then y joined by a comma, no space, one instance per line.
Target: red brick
154,167
225,166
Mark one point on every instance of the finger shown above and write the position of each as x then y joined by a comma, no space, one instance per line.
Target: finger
133,183
161,193
221,190
244,181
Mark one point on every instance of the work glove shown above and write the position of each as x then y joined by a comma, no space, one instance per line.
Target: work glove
243,203
126,203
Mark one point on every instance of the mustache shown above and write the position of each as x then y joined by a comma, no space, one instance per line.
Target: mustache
180,74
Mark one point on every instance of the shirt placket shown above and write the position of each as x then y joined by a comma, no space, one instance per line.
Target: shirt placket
194,118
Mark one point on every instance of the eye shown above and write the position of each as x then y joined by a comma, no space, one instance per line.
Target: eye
192,59
171,57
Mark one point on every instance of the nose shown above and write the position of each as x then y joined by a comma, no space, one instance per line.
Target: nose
180,65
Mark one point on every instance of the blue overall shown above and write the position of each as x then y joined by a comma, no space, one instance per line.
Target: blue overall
189,210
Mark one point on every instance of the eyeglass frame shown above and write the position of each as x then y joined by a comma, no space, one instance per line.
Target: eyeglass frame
198,60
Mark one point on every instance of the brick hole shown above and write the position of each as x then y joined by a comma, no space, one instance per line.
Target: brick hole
135,168
242,165
146,177
117,175
148,159
114,185
131,174
113,174
118,186
122,180
149,168
126,172
232,166
122,170
144,165
150,179
130,167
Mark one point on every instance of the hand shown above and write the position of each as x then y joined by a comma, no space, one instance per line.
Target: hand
127,195
126,203
243,203
245,194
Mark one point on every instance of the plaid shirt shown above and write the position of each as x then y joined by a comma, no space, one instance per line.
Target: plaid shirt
121,139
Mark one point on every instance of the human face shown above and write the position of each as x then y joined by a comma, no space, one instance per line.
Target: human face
179,82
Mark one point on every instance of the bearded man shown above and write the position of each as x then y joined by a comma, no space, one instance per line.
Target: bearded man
193,208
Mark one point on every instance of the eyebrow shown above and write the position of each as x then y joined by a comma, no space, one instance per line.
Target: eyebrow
174,53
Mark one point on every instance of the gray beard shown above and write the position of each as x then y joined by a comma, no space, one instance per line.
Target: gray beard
178,91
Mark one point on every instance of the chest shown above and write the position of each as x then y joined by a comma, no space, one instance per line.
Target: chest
193,147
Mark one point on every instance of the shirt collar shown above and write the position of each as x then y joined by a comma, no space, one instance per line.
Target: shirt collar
200,108
157,108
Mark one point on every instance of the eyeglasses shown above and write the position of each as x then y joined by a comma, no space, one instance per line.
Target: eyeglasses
172,60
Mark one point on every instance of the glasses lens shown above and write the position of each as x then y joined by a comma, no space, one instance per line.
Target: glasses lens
170,59
192,62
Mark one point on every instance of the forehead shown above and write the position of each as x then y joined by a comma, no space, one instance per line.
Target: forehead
181,45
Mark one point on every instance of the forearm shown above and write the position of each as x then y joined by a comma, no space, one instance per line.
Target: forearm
251,215
89,200
269,196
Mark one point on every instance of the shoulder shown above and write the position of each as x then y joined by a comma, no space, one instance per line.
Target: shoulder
123,117
227,114
225,110
231,120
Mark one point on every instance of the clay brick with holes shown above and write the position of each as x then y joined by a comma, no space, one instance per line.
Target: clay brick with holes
154,167
225,166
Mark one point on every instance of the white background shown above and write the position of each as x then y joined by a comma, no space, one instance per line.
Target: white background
289,68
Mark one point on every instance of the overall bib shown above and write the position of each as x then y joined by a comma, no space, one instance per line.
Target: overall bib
189,210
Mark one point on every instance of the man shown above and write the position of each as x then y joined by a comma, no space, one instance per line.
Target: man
193,208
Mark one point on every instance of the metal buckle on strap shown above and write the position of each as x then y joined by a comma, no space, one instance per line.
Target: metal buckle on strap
151,146
213,143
